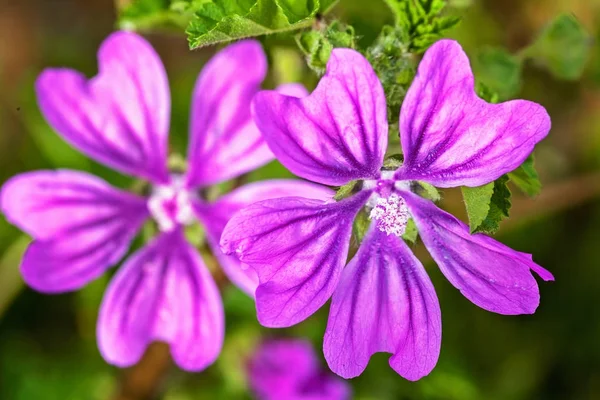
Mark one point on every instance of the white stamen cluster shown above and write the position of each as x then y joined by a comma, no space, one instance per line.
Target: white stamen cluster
391,214
171,205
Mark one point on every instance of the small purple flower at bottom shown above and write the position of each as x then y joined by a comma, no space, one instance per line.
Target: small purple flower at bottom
81,225
383,300
288,369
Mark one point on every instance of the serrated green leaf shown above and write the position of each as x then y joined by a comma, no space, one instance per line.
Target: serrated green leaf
526,178
499,206
411,233
219,21
477,201
563,47
499,70
487,205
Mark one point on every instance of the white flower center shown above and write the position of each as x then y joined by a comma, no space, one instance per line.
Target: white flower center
171,205
390,213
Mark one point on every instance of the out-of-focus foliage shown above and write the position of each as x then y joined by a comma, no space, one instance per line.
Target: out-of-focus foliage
500,71
563,47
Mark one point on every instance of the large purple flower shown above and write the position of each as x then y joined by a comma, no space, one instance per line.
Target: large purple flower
81,225
383,300
288,369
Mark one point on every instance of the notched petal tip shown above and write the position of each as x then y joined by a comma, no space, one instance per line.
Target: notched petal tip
347,141
385,302
488,273
224,140
108,117
450,137
164,292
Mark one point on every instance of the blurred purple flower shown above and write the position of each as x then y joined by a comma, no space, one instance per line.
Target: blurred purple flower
286,369
383,300
81,225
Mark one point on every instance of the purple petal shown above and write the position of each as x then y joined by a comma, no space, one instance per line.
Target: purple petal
215,216
225,142
335,135
490,274
298,247
451,137
163,292
276,367
292,89
81,226
385,302
121,116
289,369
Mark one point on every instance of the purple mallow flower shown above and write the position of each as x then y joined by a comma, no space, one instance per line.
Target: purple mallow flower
288,369
81,225
383,300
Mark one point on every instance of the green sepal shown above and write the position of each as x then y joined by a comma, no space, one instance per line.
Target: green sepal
361,225
426,190
411,233
393,162
346,191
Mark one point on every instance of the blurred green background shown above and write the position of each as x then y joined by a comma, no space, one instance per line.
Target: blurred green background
47,343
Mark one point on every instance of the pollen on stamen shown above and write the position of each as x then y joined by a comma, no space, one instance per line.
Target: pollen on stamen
171,205
391,214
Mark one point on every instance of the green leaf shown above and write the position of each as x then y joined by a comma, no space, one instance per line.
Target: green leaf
487,205
411,234
499,70
477,200
219,21
563,47
318,44
526,178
